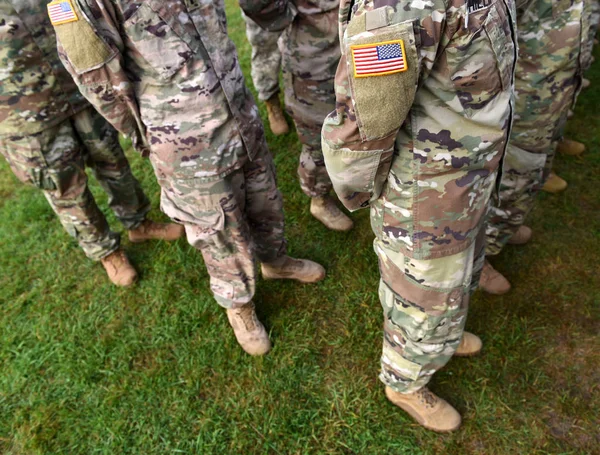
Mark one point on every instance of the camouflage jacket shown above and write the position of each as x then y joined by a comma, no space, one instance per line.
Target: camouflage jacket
165,73
36,92
421,138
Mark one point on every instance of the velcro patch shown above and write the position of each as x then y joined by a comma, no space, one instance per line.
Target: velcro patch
379,59
477,5
61,12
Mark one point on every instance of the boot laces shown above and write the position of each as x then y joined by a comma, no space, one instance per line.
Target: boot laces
426,397
247,315
149,226
331,207
115,259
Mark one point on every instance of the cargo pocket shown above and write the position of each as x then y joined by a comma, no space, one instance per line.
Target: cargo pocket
383,72
205,216
157,42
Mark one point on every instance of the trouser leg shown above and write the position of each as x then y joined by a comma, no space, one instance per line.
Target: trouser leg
264,208
425,305
231,222
53,161
266,59
522,178
110,166
310,50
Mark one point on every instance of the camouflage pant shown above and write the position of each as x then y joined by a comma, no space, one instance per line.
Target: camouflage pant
311,52
266,59
232,222
591,18
425,304
546,82
54,161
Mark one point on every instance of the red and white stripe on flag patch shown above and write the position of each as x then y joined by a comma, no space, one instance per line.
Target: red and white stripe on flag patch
61,12
379,59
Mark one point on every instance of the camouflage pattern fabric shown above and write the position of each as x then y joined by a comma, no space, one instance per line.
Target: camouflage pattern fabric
35,90
425,305
54,160
547,79
311,52
591,21
422,148
232,222
266,59
183,100
49,133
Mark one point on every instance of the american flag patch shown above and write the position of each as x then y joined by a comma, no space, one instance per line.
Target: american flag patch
378,59
61,12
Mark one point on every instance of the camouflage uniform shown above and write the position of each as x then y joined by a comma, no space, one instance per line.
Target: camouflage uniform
591,18
422,148
547,79
165,73
266,59
49,133
310,52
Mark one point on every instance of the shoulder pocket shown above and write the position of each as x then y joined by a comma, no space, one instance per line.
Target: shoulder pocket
85,49
153,35
383,72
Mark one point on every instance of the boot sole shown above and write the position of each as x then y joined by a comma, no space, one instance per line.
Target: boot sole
294,279
494,293
474,354
422,423
331,228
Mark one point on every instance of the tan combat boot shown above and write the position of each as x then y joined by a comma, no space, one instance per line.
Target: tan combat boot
570,114
522,236
248,330
324,209
277,120
470,345
151,230
119,269
585,83
492,281
287,268
427,409
570,147
554,184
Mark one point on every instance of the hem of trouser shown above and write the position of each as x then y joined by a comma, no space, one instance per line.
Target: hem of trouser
403,390
101,256
140,217
315,194
230,304
272,93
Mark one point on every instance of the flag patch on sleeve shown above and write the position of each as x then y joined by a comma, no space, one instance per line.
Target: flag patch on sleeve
378,59
61,12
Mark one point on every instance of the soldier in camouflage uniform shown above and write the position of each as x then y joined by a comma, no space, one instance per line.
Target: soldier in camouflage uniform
419,131
165,73
311,51
265,66
49,133
551,34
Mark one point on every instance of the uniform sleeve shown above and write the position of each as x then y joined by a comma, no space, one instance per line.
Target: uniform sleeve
270,15
387,52
90,48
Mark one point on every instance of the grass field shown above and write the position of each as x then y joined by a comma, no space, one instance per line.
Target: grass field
87,368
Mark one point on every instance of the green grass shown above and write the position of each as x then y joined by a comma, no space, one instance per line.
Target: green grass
86,368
